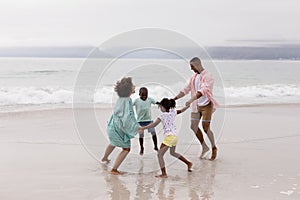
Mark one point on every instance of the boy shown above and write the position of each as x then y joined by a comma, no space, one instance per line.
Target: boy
143,111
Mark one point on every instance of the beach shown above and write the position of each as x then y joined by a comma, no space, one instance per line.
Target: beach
43,157
61,66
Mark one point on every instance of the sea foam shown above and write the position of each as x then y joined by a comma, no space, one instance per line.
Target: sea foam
276,93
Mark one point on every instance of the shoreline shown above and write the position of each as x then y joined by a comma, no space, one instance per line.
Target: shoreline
53,107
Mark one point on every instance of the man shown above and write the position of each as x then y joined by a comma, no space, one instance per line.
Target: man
203,104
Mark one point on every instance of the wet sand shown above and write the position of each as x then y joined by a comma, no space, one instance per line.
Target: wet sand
42,157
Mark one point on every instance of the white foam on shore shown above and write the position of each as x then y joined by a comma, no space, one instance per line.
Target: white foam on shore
275,93
249,95
35,95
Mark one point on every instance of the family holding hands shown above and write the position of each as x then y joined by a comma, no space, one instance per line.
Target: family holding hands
123,125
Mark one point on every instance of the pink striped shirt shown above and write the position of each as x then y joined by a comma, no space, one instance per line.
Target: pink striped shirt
206,88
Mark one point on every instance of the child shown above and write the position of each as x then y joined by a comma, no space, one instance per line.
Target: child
167,118
122,125
143,111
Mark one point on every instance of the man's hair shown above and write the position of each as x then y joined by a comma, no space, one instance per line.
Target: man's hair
195,59
124,87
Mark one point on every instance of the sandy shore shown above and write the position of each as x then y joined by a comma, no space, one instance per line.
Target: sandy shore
41,157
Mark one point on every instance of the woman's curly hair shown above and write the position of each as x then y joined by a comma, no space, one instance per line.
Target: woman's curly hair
124,87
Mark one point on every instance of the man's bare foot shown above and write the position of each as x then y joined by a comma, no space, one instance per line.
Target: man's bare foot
190,167
162,176
214,153
205,151
105,160
116,172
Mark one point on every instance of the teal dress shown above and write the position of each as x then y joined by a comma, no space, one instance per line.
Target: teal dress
122,125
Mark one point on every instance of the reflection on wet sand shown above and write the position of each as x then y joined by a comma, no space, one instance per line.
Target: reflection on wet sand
144,188
162,194
117,189
195,185
200,183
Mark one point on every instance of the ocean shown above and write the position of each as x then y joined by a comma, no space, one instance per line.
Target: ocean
46,83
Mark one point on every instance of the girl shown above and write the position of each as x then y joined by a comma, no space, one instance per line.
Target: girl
167,118
122,125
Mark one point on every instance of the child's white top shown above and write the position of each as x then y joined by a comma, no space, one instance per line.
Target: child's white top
168,122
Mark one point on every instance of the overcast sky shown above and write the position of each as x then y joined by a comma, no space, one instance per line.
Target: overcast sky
89,22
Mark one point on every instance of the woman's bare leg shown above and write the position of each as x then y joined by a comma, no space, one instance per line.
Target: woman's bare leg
119,160
108,151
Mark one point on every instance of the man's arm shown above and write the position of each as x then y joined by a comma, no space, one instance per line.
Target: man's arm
193,98
182,109
179,95
183,92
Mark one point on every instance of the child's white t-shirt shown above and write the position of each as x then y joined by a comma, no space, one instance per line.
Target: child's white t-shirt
168,122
